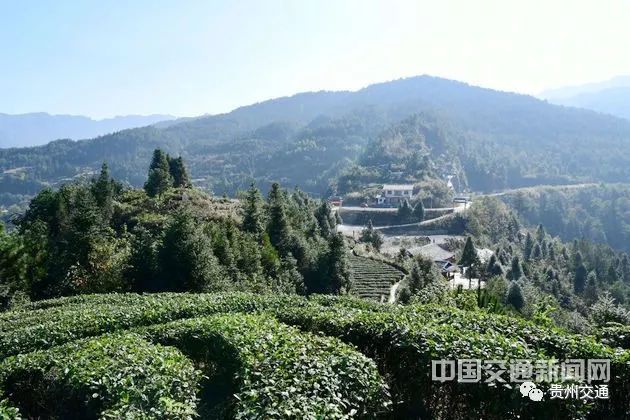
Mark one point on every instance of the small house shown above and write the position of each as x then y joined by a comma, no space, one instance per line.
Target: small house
394,194
335,201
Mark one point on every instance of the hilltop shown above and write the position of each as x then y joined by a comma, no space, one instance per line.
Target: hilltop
499,139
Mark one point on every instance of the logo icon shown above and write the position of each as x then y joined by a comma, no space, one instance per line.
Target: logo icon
528,389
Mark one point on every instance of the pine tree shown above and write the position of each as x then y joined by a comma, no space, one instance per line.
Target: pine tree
337,265
611,275
325,219
143,263
253,213
590,291
577,259
540,233
529,246
418,211
415,280
160,178
491,262
186,258
278,223
289,279
469,254
178,172
551,252
103,190
537,252
515,296
404,211
579,280
517,270
371,236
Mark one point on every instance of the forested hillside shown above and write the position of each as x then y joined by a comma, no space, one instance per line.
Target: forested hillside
599,213
497,139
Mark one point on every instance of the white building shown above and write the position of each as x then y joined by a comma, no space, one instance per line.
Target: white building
393,194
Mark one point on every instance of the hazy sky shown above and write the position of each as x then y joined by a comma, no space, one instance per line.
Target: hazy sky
190,57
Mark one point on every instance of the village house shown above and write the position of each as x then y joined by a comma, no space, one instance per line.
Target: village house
394,194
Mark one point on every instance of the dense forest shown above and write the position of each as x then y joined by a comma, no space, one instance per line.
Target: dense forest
577,284
98,236
599,213
489,140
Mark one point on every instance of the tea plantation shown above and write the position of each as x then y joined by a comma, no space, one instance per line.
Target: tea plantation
372,279
238,355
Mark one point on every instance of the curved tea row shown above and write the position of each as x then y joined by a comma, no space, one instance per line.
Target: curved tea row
239,355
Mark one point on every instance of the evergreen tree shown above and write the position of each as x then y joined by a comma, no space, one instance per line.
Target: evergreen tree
497,270
325,219
491,262
515,296
160,178
371,236
540,233
404,211
103,190
143,263
551,252
537,252
338,268
254,217
415,280
611,274
579,280
577,259
278,225
423,273
590,291
516,271
418,211
178,172
529,246
469,254
186,260
338,219
289,279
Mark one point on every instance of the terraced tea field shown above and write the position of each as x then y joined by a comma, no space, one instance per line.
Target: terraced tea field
372,279
249,356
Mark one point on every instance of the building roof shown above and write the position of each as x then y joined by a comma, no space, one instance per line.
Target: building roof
396,187
435,252
449,267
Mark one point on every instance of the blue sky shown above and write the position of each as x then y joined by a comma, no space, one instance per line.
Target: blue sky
191,57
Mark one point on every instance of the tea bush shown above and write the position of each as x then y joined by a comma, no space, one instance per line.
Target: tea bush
278,356
279,371
112,376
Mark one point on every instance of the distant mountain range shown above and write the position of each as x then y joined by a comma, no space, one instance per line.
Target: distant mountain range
416,127
609,97
35,129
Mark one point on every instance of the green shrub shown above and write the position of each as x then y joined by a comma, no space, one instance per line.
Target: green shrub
615,335
279,372
112,376
405,340
26,331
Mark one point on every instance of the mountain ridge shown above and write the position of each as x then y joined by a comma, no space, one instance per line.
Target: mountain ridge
499,139
37,128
